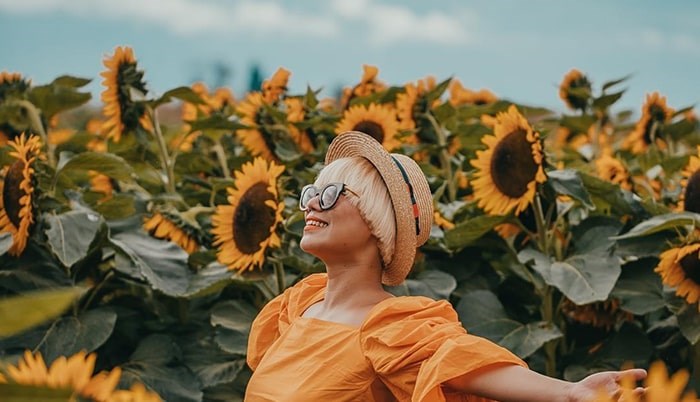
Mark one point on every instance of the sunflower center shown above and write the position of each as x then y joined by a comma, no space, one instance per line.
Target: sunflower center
12,193
372,128
691,267
253,219
692,193
512,165
657,113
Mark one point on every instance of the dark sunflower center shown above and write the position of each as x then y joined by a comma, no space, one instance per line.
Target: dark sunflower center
262,119
691,267
657,113
692,193
372,128
512,165
129,77
253,219
12,192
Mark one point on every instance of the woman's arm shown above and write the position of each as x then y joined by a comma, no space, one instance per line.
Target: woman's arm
519,384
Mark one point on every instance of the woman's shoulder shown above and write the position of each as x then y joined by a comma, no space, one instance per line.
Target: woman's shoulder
397,311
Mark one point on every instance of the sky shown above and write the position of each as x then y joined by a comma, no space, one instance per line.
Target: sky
520,50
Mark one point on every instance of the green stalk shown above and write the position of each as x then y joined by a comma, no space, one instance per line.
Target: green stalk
221,156
444,156
165,159
279,275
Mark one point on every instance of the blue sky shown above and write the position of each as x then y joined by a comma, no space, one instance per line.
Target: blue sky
518,49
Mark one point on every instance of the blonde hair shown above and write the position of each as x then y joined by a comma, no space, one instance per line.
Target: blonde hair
374,202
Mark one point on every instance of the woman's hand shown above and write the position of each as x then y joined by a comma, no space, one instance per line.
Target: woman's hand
608,382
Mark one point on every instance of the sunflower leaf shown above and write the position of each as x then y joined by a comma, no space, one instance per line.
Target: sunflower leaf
183,93
233,319
470,230
432,283
583,278
660,223
71,81
216,122
22,312
483,314
70,234
605,101
689,322
108,164
32,393
639,288
69,335
612,83
52,98
568,182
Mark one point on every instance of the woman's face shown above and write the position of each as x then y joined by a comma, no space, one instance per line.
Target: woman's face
336,233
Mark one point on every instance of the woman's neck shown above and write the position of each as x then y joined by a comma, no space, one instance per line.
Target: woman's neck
354,284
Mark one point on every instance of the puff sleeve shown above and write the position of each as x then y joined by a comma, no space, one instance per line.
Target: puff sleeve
415,344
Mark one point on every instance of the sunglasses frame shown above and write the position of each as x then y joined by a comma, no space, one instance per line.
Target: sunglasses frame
319,192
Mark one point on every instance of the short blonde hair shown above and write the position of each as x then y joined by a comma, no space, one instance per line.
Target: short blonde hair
374,202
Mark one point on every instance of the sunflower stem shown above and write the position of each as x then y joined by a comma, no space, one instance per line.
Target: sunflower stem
96,289
163,151
221,156
444,157
279,275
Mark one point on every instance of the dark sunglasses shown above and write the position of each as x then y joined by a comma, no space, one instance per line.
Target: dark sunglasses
328,195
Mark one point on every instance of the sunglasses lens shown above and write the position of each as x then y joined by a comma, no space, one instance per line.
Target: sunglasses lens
307,194
329,196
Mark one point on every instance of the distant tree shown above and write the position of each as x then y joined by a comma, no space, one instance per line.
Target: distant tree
256,78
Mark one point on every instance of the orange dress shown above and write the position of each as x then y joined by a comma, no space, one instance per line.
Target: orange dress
403,351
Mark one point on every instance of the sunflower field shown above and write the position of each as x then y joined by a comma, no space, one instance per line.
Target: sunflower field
138,241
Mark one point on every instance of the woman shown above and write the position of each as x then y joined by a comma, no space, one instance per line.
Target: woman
340,336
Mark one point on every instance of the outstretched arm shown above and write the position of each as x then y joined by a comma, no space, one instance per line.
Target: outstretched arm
516,383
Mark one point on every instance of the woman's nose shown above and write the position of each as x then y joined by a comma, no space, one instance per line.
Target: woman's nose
314,203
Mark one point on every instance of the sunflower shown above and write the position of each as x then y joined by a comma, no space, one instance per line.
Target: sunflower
655,114
276,86
659,387
575,90
12,84
690,182
377,120
121,77
101,183
216,103
168,226
611,169
442,222
459,95
255,139
412,102
367,86
295,114
60,136
510,168
17,187
603,314
74,373
679,267
245,228
97,142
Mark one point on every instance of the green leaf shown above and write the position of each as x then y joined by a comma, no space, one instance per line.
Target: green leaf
216,122
52,99
689,322
582,278
163,264
70,335
578,124
155,363
433,283
612,83
639,288
471,230
183,93
211,365
120,206
568,182
106,163
5,242
70,81
622,202
593,235
483,314
33,393
437,92
70,234
605,101
234,319
22,312
660,223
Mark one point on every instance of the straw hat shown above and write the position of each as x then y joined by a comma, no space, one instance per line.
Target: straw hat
409,192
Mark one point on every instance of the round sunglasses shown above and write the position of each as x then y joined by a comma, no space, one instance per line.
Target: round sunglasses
328,195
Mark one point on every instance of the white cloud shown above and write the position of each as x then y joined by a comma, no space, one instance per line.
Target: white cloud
655,40
389,24
189,16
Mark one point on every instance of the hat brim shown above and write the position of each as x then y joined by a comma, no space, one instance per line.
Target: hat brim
355,143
